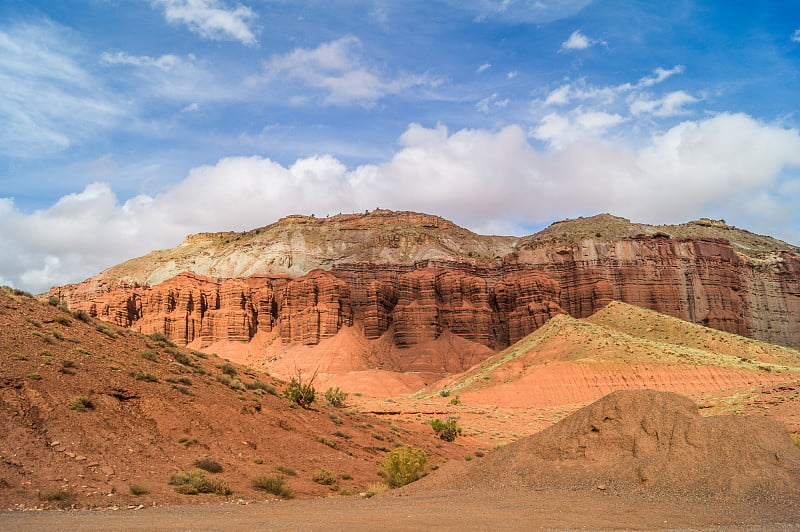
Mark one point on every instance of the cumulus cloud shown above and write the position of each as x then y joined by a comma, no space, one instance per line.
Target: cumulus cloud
796,35
560,130
339,71
483,67
212,19
729,166
599,108
48,100
578,41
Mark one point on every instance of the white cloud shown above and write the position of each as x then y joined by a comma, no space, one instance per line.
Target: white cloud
579,41
212,19
484,67
537,12
559,130
796,35
337,68
48,100
670,104
165,62
491,102
660,74
511,75
729,166
580,90
171,77
600,108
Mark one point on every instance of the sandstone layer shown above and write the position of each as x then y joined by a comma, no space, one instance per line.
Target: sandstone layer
408,278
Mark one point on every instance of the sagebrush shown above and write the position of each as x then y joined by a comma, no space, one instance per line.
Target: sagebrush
403,466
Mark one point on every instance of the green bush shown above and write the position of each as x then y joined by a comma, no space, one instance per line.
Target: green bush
299,392
63,320
288,471
182,358
446,430
325,441
144,376
82,315
324,477
56,495
228,369
194,482
234,384
207,464
263,386
161,339
335,397
137,490
274,485
403,466
105,329
148,354
81,404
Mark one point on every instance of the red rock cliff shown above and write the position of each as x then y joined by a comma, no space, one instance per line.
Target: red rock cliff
486,300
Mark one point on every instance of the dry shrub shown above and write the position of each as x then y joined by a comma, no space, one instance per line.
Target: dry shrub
273,484
194,482
403,466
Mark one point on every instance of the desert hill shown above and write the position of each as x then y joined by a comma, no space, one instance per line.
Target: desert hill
647,441
92,412
400,285
576,361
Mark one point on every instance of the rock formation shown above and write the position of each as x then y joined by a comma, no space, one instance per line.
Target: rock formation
409,278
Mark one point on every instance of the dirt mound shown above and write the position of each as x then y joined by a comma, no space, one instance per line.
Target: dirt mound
651,441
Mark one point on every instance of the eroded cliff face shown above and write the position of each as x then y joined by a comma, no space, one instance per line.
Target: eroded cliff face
488,301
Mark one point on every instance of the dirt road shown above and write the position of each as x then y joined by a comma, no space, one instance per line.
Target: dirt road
547,510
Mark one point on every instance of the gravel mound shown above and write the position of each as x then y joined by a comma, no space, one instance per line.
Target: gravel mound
645,440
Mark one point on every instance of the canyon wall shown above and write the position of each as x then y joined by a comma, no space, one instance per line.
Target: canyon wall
492,303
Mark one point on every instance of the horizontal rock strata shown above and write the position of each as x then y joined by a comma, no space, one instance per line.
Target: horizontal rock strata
494,303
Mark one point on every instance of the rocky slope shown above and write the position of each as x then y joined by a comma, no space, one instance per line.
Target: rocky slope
404,279
575,361
93,415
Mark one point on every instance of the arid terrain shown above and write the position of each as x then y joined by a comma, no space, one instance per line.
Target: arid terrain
602,375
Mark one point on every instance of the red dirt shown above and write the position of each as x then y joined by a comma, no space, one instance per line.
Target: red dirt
649,442
564,383
138,432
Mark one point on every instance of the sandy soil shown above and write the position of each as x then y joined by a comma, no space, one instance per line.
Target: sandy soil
546,510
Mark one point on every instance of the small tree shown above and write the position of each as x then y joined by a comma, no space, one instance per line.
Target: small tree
403,466
300,392
446,430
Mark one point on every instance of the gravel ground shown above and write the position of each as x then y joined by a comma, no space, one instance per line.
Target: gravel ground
545,510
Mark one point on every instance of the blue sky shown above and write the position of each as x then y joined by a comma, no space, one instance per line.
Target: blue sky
126,124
